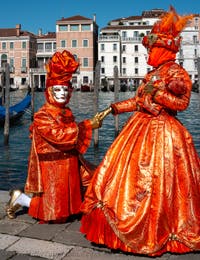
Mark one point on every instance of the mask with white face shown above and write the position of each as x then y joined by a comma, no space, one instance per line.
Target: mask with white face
60,93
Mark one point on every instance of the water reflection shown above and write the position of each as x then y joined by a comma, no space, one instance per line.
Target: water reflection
14,157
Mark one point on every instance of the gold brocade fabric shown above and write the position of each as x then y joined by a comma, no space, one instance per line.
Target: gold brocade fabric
145,195
53,172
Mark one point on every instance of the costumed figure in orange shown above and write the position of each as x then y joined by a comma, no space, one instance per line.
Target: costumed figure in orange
54,176
144,196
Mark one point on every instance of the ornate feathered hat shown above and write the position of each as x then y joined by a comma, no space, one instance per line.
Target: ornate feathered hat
166,31
60,69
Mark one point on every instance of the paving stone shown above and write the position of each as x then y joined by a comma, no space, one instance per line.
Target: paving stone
27,257
189,256
11,226
43,231
20,239
79,253
4,196
41,248
74,226
4,255
7,240
22,216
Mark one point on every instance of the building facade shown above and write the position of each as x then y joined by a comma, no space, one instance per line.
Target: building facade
79,35
18,48
27,53
119,44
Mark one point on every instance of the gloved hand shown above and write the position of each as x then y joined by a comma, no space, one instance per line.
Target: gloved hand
98,118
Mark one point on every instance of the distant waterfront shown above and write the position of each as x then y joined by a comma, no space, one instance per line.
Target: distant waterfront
14,158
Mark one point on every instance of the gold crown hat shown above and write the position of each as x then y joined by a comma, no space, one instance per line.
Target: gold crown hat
166,31
60,69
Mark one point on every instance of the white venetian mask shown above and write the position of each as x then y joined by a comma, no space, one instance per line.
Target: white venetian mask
60,93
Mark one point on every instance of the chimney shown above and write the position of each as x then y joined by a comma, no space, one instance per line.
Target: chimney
40,32
18,28
94,18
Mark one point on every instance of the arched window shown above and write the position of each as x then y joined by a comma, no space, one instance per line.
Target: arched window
4,59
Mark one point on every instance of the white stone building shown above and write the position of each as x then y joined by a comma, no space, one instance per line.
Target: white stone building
120,44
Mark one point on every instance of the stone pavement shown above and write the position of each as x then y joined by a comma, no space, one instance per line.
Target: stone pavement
24,239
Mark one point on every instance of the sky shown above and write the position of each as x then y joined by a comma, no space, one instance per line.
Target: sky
43,14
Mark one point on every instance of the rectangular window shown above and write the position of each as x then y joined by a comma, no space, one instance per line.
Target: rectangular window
114,59
124,59
74,80
85,43
136,70
3,45
63,43
63,27
136,60
114,47
124,34
124,71
11,62
48,46
85,27
102,59
23,63
11,45
85,79
195,40
85,62
102,70
54,46
74,27
40,46
74,43
102,47
136,48
23,69
123,48
23,45
12,65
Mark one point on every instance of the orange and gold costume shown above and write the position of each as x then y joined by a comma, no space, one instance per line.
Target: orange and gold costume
57,141
144,196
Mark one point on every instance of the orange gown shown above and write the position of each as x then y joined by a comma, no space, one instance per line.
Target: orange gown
54,169
144,196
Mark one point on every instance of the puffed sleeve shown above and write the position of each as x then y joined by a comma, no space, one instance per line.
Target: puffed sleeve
176,95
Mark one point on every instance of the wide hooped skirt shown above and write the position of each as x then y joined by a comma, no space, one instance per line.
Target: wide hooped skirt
144,196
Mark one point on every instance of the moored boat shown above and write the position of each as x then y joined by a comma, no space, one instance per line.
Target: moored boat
15,111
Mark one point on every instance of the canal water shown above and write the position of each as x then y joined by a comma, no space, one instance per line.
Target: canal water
14,157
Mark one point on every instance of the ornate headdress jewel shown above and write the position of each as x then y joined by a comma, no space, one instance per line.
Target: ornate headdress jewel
166,32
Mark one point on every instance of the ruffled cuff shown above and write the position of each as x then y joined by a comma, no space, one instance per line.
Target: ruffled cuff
84,136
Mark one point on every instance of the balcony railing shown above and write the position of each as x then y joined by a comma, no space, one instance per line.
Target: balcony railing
109,37
132,39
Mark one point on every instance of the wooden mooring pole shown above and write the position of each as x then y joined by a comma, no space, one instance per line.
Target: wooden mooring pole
32,95
96,99
116,97
198,70
7,103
